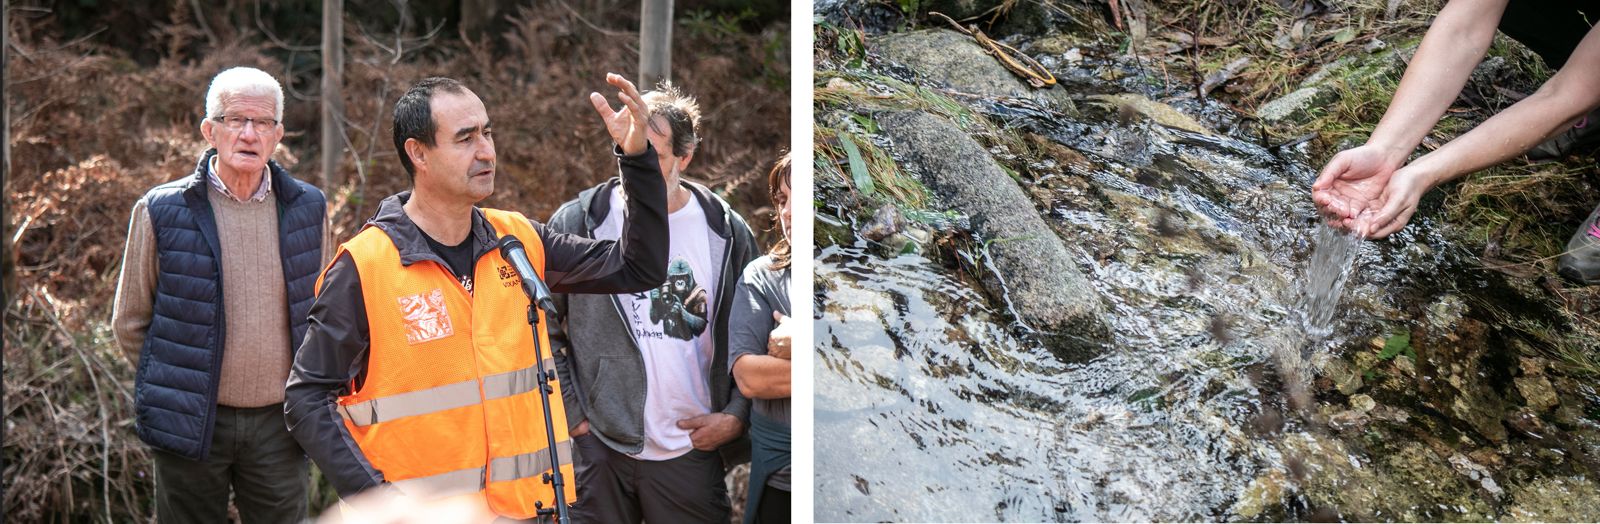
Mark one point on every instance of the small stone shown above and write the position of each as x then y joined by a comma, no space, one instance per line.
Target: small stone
1363,403
1406,365
1264,492
1344,377
886,221
1347,420
1538,392
1531,367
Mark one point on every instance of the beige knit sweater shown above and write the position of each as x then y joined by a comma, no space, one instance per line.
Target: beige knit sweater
256,349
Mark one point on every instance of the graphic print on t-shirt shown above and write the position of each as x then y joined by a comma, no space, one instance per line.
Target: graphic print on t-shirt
679,304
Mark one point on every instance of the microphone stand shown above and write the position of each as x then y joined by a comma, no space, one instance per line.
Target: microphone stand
553,477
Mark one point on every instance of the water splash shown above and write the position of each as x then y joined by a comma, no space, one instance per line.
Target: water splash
1332,262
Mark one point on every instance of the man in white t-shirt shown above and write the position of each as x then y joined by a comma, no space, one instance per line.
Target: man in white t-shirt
655,416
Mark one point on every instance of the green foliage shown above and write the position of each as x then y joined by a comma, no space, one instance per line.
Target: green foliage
858,166
705,23
1398,344
909,7
847,44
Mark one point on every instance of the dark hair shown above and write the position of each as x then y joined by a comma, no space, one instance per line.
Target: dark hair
776,180
681,112
413,116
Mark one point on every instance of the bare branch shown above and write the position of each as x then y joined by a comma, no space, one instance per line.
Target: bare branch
200,18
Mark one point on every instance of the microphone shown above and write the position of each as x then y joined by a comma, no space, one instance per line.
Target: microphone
511,249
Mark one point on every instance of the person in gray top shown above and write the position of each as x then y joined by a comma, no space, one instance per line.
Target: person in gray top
758,348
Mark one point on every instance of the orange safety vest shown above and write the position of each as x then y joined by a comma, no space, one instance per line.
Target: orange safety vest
450,407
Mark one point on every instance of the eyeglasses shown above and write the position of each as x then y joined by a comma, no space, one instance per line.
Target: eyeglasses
237,123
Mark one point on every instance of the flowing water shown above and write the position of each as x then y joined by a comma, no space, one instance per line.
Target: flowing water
1330,267
1225,301
1224,389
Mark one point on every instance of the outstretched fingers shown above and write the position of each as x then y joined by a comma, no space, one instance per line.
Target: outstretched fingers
602,107
1388,219
628,93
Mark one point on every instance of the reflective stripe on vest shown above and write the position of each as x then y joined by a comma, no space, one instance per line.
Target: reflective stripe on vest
441,398
504,469
450,403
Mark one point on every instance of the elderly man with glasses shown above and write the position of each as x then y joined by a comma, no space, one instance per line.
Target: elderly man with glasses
217,278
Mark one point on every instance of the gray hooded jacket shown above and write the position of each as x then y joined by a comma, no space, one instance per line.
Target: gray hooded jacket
593,345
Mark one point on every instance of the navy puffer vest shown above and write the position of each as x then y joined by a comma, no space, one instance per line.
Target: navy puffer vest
175,391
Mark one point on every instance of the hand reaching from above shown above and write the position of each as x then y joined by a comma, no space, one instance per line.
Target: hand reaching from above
627,127
1394,207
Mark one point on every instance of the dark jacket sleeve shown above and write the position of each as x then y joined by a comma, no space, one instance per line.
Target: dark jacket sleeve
560,351
637,261
745,250
334,353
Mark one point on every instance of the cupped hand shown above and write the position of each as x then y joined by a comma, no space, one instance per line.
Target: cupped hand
1353,182
627,126
1393,208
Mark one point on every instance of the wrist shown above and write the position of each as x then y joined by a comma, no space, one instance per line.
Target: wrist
1393,153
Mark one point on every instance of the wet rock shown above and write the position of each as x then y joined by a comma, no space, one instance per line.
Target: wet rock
1297,105
1156,111
1538,392
1324,86
1528,424
951,58
1405,365
1033,270
1348,420
829,231
1362,403
885,221
1554,499
1408,482
1346,379
1264,494
1452,349
1477,473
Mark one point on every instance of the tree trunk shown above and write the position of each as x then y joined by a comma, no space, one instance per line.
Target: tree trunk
7,268
655,43
332,78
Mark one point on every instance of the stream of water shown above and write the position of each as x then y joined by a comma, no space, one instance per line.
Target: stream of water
1222,292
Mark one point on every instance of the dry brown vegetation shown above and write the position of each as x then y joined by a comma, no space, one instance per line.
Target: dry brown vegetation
94,125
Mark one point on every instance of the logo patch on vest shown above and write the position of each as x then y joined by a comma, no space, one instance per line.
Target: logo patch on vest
426,317
508,276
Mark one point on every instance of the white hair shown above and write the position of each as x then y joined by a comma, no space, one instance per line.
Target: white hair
243,81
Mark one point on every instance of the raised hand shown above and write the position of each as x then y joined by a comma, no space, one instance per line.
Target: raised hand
627,126
1353,182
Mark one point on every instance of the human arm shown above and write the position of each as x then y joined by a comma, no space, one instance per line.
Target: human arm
136,287
1571,93
1354,180
637,260
333,355
755,323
